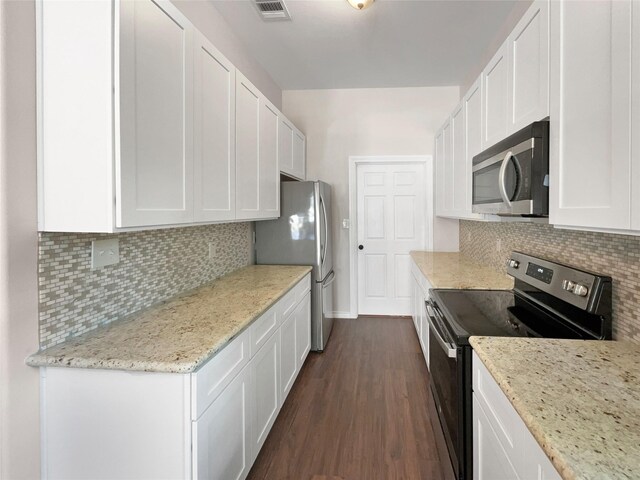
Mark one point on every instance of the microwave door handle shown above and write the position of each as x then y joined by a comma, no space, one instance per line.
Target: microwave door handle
502,181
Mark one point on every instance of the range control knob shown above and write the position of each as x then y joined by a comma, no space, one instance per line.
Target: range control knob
514,263
568,285
580,290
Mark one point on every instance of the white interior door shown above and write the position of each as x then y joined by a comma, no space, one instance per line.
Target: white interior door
391,223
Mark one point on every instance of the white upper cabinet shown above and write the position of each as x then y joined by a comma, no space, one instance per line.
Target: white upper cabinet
458,162
472,106
299,155
214,134
257,181
156,111
448,171
439,172
137,123
635,118
528,46
291,154
495,91
268,157
591,98
247,155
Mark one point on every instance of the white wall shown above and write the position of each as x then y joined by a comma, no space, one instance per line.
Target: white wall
19,393
376,121
208,20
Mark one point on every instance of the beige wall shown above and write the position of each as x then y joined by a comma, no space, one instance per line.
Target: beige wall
209,21
19,397
378,121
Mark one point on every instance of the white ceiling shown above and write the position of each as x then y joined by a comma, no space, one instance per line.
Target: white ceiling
394,43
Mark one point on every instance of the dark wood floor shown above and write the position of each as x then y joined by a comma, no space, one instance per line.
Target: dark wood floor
357,411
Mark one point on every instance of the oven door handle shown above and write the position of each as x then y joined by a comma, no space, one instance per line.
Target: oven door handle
448,348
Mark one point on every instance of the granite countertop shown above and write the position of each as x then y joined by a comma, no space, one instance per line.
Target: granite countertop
580,399
182,333
455,270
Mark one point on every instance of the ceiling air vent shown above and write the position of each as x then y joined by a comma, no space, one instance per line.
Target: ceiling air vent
272,9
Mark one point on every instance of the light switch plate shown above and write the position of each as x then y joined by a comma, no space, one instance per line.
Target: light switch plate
104,252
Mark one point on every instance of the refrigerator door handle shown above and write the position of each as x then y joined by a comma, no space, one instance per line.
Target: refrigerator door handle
323,253
329,280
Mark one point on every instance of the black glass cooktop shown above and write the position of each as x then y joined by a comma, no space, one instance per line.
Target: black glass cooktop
501,313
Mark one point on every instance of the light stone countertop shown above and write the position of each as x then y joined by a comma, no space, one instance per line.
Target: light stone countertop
580,399
455,270
182,333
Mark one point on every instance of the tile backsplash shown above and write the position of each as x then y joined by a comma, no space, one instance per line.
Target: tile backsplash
154,265
608,254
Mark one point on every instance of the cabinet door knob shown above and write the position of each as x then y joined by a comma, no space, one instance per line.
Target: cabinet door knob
360,247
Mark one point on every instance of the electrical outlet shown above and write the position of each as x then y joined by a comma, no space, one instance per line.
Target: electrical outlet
104,252
213,251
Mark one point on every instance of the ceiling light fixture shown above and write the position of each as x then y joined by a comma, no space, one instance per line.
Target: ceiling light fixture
360,4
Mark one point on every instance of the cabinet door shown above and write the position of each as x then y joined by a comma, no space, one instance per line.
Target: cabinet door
154,164
222,435
473,136
495,89
590,143
459,162
490,461
439,172
288,356
529,63
265,366
285,146
214,130
247,149
269,185
635,119
448,168
299,155
303,329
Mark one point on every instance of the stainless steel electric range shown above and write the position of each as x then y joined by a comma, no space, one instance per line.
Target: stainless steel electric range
549,300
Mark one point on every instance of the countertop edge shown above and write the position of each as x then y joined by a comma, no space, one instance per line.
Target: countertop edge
41,359
558,461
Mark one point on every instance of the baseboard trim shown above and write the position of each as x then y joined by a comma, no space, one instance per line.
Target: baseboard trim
343,315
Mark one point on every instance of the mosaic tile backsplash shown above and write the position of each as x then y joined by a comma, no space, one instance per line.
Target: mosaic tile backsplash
608,254
154,266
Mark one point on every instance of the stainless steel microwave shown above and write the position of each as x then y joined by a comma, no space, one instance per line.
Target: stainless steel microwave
512,177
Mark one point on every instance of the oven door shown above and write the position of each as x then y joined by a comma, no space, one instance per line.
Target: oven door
445,371
502,183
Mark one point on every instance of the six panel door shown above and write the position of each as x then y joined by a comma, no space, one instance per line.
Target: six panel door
391,223
154,168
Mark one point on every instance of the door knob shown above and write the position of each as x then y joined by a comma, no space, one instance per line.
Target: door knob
360,247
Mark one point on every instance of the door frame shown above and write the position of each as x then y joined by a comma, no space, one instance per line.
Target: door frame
354,161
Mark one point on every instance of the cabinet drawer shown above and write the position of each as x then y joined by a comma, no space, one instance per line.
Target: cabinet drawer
264,327
286,305
213,377
302,288
504,419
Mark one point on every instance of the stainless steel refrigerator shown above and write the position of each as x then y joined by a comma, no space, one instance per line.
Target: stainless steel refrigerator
302,236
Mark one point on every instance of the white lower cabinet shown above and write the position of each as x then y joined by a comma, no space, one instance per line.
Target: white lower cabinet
303,330
222,435
503,446
209,424
490,461
420,294
265,367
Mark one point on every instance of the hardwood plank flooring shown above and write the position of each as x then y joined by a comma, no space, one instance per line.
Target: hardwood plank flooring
358,411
